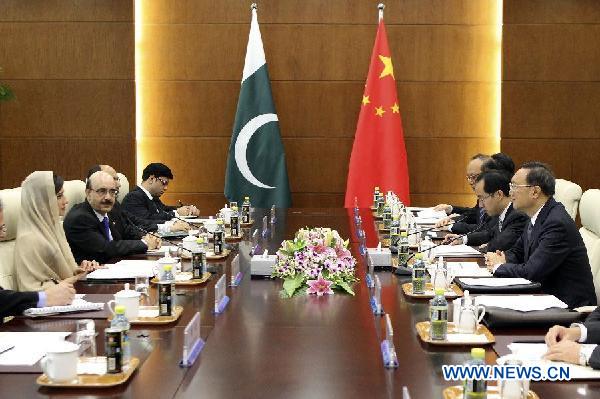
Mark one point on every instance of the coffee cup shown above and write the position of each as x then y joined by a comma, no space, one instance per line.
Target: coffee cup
60,362
128,298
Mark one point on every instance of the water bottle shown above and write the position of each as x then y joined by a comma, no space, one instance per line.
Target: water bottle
234,222
403,249
439,278
121,322
375,197
475,389
166,289
387,216
426,245
218,238
418,275
394,234
198,259
380,204
246,210
438,316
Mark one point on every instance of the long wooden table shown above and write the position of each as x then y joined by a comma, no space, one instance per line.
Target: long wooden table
266,346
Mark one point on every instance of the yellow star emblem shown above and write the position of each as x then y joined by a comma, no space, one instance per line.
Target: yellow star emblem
365,100
395,108
379,111
388,68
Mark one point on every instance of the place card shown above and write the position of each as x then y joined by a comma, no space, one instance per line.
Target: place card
255,245
192,342
221,300
376,299
236,274
265,227
370,274
388,351
273,216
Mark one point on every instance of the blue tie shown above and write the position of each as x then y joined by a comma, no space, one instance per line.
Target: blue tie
529,230
481,214
106,228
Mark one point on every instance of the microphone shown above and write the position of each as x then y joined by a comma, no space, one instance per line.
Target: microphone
196,225
403,270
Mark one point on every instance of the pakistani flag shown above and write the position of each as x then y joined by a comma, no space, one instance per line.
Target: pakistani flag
256,164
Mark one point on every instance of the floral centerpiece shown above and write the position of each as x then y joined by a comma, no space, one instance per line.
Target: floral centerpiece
316,261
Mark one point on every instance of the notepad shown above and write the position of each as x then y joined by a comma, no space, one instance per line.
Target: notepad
78,305
523,303
470,269
29,347
495,282
429,213
125,269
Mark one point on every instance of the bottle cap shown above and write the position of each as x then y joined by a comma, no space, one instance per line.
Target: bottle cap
478,353
404,234
234,208
119,309
440,291
418,256
168,268
200,240
246,198
219,221
376,188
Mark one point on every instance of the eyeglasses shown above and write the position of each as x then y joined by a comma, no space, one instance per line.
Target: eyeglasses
103,191
514,186
164,182
473,177
483,198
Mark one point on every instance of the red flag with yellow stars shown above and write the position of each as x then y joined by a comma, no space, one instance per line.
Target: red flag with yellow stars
378,155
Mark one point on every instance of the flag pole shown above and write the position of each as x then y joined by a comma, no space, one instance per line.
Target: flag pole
380,7
253,6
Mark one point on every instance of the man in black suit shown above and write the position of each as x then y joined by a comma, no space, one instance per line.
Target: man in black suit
144,200
470,217
13,303
505,225
91,232
550,250
577,344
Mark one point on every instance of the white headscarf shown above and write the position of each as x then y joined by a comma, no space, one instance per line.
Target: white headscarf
42,253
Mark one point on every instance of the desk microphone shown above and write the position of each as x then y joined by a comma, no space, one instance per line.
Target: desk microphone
403,270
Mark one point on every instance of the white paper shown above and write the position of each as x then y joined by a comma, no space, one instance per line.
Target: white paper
148,313
185,276
200,220
92,365
29,347
470,269
419,220
495,282
429,213
161,250
532,355
467,338
455,250
77,305
416,208
523,303
447,293
125,269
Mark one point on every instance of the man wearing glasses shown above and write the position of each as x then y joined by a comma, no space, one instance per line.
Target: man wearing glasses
93,235
550,250
144,200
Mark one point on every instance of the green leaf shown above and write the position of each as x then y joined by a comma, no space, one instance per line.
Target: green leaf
346,287
290,285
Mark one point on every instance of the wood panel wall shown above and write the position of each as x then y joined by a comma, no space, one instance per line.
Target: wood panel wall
71,66
318,54
551,86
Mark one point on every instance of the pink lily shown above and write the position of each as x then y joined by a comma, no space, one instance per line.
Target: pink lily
320,286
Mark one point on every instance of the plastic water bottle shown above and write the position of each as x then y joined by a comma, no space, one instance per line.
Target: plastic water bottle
439,278
234,223
166,290
387,216
394,234
198,259
426,246
438,316
246,210
218,238
403,249
418,275
121,322
475,389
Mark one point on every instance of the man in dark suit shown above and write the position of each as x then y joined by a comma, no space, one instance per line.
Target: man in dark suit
91,232
550,250
505,225
13,303
144,200
577,344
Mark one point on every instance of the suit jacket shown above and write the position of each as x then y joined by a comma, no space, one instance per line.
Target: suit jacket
592,324
13,303
117,213
87,239
555,256
137,203
471,219
512,227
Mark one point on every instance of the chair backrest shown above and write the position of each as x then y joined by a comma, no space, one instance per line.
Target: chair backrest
124,187
11,204
568,194
75,192
589,212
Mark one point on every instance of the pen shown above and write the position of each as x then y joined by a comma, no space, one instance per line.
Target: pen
6,349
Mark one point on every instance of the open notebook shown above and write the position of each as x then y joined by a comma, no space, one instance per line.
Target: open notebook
79,305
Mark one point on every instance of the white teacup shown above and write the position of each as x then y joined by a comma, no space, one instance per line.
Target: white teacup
162,262
512,389
469,318
60,362
210,225
189,242
226,214
128,298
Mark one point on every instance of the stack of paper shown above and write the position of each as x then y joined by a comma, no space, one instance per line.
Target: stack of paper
125,269
523,303
495,282
470,269
78,305
28,347
429,213
455,250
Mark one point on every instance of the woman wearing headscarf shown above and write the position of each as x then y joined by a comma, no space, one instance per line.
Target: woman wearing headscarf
42,254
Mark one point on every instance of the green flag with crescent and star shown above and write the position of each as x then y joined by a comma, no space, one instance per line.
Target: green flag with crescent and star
256,163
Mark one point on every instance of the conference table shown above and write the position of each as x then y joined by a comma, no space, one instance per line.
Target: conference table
266,346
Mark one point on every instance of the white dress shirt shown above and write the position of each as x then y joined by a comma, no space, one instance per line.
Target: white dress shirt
162,227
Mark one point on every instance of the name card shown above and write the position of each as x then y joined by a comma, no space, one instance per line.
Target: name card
376,298
265,227
192,342
388,351
255,244
370,274
236,274
221,300
273,216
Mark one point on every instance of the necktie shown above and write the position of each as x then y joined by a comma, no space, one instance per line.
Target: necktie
500,225
481,214
106,228
529,230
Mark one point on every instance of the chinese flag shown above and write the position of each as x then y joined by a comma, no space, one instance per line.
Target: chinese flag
378,155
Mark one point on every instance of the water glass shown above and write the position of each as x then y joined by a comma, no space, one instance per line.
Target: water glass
142,284
85,337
